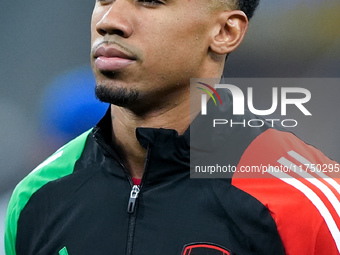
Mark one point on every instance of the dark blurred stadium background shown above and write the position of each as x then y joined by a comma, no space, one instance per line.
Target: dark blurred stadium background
45,48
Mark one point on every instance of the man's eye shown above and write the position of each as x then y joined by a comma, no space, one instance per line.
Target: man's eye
150,2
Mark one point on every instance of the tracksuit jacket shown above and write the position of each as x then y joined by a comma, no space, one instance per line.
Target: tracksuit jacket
82,200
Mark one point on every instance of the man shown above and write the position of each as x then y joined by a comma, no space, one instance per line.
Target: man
124,187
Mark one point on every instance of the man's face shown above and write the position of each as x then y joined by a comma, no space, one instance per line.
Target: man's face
145,50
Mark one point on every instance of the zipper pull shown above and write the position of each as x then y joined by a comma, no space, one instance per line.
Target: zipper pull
133,197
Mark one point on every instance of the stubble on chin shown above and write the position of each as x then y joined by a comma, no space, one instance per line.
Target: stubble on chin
123,97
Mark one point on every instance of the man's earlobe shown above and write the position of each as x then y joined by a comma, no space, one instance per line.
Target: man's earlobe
229,32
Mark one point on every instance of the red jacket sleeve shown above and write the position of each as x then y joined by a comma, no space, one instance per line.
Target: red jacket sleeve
296,183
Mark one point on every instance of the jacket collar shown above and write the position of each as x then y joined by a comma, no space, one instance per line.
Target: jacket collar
168,152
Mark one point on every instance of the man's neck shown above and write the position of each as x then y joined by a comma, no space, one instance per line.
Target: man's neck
125,122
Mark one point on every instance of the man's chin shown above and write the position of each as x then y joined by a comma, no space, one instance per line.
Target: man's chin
118,96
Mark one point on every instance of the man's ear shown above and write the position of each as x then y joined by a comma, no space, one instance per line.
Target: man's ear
229,31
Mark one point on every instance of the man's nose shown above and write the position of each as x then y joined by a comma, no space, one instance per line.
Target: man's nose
116,20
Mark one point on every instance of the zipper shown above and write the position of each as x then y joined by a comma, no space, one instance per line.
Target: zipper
133,204
133,197
133,216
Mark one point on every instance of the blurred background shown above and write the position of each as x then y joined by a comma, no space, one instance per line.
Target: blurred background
46,85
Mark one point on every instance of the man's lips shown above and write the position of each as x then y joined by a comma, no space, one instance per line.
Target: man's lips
111,58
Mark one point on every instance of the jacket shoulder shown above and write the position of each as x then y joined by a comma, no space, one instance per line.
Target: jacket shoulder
58,165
